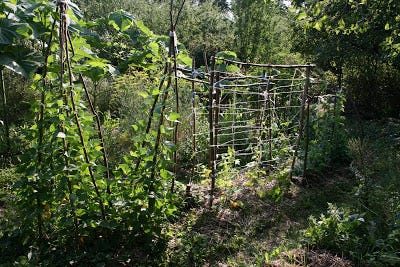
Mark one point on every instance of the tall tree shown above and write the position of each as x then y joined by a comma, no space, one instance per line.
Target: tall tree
205,28
258,28
358,39
222,4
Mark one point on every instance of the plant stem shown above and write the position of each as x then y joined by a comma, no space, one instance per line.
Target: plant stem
64,45
99,133
5,112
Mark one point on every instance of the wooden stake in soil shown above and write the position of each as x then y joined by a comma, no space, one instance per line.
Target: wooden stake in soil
194,117
151,200
302,113
307,136
98,122
176,89
269,117
217,97
40,122
99,133
66,58
5,113
212,149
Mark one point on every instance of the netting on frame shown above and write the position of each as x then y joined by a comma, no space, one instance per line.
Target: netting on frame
255,113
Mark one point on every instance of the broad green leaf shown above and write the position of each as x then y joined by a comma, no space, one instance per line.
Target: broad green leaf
227,54
9,31
125,168
143,94
121,20
82,48
318,26
154,49
75,9
165,174
233,68
11,5
171,209
80,212
173,116
301,16
19,59
341,23
154,91
97,68
185,59
144,29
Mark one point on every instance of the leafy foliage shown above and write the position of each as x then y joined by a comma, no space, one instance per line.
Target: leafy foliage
367,231
259,30
92,179
65,199
355,41
327,134
339,231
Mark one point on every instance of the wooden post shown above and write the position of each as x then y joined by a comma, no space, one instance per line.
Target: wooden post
176,123
307,135
269,114
260,119
5,112
194,119
217,98
212,159
302,112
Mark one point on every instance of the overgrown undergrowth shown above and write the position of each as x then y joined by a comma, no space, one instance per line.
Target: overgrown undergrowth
340,218
348,216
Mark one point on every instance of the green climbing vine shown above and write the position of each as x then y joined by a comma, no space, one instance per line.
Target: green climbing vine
69,195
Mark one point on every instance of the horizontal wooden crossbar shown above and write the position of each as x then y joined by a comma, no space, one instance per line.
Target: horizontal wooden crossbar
266,65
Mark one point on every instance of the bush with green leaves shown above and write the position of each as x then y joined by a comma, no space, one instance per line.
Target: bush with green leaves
327,132
339,230
375,167
368,232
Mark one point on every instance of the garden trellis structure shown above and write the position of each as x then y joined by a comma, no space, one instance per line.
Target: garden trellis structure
257,115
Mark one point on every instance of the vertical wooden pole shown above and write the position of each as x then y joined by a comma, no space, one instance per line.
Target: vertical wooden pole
292,88
66,60
212,160
301,126
5,112
40,125
261,116
194,117
335,113
307,135
261,90
233,129
217,98
176,128
176,89
269,114
99,133
151,187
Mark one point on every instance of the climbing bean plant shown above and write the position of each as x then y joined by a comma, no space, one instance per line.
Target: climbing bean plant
69,196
